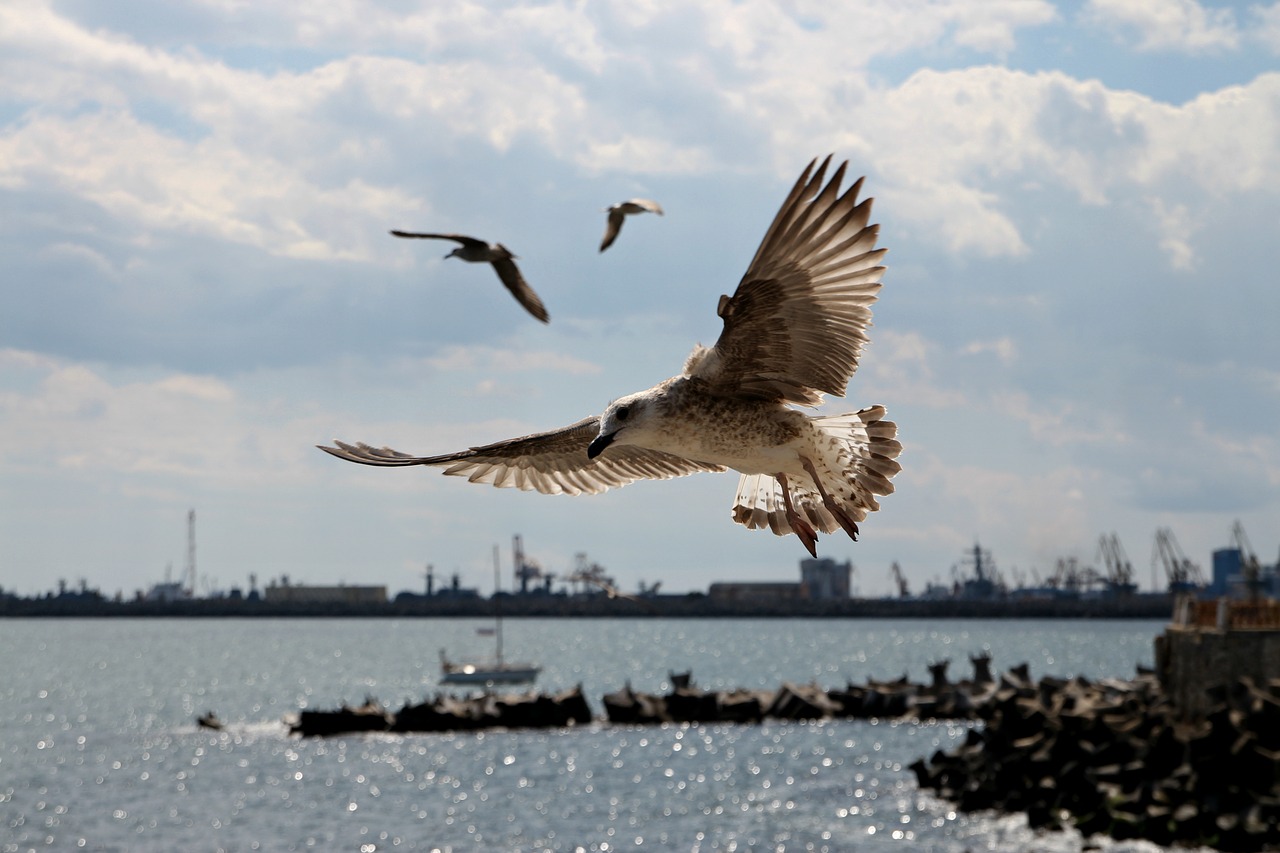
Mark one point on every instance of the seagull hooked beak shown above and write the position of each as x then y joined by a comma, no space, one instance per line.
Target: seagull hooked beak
599,443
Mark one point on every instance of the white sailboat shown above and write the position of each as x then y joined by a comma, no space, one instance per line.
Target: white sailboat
498,670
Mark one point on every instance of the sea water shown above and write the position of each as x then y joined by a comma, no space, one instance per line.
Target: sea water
99,747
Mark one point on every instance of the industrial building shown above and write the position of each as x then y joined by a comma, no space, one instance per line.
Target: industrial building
302,594
825,579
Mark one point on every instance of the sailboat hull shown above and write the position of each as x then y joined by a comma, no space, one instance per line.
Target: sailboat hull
507,673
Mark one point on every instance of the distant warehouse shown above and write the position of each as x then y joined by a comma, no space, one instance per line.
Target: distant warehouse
765,592
302,594
820,580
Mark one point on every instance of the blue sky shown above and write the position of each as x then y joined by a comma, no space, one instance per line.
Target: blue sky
1075,336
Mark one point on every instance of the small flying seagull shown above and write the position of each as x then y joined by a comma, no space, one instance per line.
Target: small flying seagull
609,590
793,331
619,211
503,261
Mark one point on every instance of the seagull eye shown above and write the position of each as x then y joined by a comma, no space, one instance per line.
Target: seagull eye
622,412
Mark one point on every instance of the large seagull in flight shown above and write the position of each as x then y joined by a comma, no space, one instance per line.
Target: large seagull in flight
793,331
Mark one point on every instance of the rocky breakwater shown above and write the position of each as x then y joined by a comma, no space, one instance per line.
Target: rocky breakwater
685,703
447,713
1117,757
897,699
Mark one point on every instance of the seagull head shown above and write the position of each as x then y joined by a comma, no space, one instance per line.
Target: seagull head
630,415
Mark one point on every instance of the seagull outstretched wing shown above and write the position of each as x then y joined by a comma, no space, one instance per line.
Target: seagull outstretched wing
496,255
796,325
553,463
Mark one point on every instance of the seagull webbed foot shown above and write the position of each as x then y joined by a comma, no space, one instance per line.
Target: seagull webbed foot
807,535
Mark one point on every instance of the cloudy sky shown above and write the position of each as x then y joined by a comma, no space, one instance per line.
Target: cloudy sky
1077,332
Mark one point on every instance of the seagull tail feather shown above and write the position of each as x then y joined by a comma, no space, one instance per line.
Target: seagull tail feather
867,449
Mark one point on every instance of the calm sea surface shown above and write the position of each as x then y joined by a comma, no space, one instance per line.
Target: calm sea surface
99,749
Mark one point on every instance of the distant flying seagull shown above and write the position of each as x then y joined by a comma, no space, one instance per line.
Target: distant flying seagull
792,332
478,251
609,590
619,211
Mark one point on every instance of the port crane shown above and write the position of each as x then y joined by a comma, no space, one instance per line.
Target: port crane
1183,574
592,575
1019,577
1249,563
895,571
1119,577
526,570
1073,578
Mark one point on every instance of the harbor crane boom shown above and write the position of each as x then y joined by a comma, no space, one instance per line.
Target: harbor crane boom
895,571
1249,563
1119,569
1178,568
525,570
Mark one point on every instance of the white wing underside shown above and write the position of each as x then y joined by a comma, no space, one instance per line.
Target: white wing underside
592,480
553,463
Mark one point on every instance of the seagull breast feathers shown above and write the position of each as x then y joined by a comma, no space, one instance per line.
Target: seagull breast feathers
553,462
795,327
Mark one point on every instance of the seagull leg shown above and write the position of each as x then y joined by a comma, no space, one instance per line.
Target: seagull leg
803,529
850,526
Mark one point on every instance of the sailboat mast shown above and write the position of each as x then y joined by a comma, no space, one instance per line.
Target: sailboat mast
497,612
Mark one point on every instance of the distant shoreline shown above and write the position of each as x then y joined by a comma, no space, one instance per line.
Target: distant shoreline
691,606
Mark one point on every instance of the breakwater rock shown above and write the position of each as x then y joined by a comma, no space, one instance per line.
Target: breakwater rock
523,711
685,703
446,713
369,717
897,699
1117,757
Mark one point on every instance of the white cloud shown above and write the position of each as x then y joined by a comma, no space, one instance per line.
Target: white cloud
597,33
1005,349
21,359
1057,424
207,187
176,425
1258,453
1226,141
992,27
1175,224
487,359
1183,26
197,387
902,363
995,506
274,161
952,145
1266,26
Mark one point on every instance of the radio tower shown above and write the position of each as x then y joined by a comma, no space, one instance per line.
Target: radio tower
190,573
